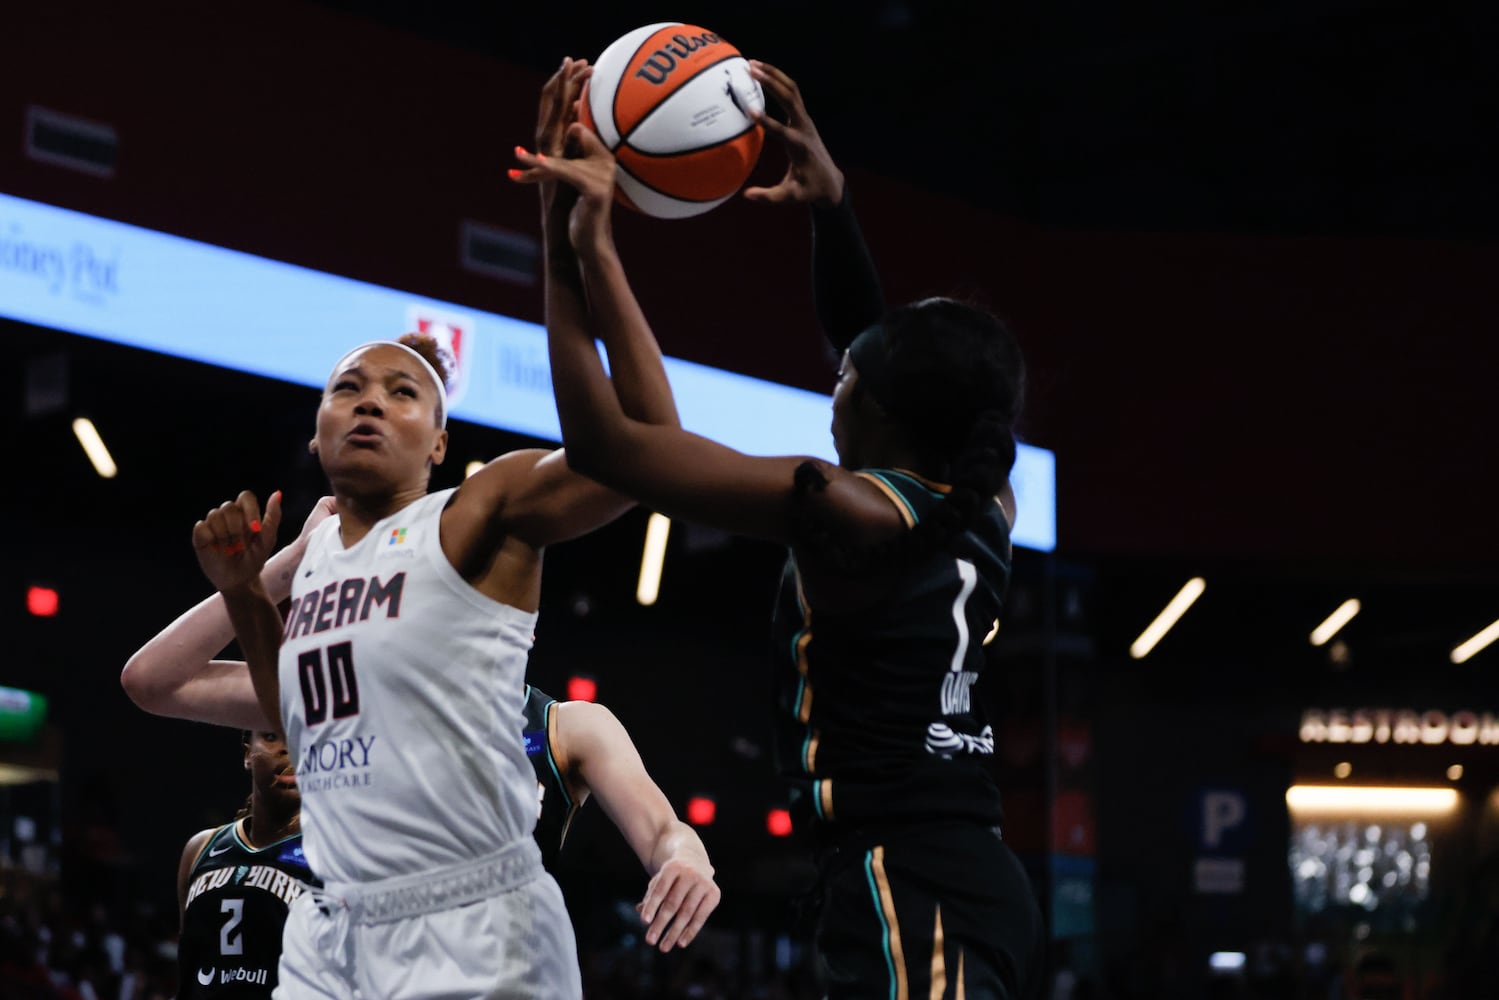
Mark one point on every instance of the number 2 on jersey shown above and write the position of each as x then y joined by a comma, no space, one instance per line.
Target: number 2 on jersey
231,940
317,680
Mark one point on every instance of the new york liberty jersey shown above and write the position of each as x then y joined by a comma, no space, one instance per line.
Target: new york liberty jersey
402,690
237,900
557,807
875,714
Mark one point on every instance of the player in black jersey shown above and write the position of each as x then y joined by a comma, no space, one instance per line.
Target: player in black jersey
577,749
900,558
237,881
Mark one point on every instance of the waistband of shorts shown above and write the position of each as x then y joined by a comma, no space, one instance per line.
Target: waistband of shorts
441,889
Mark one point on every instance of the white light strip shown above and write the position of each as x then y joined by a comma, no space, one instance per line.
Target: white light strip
69,271
1370,799
1226,961
1168,617
652,559
1336,621
1462,653
93,446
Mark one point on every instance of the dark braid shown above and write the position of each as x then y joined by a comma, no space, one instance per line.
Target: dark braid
245,736
956,379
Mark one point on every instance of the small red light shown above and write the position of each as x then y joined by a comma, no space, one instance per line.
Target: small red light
582,689
701,810
778,822
41,601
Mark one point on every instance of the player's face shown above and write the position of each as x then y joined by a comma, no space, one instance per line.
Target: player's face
845,407
378,419
270,766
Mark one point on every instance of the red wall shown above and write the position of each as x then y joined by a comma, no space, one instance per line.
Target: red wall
1265,397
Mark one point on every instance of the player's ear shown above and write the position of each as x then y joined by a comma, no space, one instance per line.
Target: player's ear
312,446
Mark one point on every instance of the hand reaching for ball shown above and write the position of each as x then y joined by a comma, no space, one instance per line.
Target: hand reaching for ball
811,175
588,168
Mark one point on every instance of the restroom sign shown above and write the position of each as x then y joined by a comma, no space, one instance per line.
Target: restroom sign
1399,726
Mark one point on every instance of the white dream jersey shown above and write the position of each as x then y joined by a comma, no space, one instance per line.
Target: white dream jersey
402,692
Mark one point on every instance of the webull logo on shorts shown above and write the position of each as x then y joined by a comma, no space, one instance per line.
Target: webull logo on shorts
251,977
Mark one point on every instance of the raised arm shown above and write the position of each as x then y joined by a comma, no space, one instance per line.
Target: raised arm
845,284
667,468
232,545
599,755
174,674
540,497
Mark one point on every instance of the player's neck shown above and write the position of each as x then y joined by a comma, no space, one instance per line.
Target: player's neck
357,513
262,827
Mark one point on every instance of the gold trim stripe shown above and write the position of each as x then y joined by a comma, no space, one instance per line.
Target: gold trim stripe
930,484
887,903
939,960
895,498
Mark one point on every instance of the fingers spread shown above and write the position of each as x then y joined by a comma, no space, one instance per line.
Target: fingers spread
771,195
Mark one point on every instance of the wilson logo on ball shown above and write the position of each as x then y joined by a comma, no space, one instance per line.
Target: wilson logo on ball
659,64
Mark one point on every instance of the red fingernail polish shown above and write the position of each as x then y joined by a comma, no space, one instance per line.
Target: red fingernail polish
514,174
542,157
255,526
520,151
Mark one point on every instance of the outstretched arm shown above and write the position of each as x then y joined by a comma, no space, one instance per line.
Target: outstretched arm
174,674
540,497
232,545
671,470
598,753
845,284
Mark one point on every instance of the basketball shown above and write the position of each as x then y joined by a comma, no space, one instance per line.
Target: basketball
674,103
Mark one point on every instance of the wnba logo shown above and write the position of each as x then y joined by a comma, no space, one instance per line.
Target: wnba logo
454,335
659,64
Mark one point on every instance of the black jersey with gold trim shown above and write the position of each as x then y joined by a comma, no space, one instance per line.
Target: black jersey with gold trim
875,717
237,900
557,807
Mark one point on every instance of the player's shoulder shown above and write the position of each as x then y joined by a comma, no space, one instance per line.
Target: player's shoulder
583,715
851,506
583,731
193,850
488,487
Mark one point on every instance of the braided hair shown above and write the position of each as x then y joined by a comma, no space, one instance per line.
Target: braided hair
245,736
953,375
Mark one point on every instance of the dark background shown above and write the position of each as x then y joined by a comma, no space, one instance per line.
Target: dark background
1250,254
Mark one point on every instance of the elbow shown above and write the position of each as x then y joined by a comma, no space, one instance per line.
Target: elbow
593,454
135,679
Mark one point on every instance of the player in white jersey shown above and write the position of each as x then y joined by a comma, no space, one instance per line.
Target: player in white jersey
399,680
581,751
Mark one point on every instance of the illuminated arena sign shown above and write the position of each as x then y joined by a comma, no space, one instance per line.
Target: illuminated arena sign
99,278
1399,726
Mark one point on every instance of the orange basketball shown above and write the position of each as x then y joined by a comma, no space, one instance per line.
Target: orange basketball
675,103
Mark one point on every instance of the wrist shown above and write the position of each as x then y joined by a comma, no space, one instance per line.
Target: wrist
596,247
276,578
836,197
251,590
